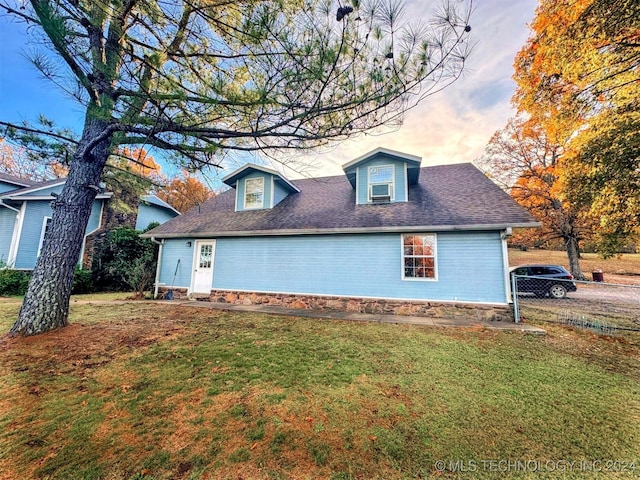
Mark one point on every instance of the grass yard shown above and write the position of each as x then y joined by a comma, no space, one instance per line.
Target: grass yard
137,391
623,269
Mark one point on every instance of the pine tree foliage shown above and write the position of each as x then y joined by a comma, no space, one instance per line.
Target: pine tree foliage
199,78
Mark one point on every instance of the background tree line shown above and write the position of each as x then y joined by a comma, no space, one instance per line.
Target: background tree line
571,155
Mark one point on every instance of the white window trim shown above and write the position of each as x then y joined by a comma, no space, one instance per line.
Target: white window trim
256,207
238,199
273,191
15,237
42,232
406,182
393,181
435,258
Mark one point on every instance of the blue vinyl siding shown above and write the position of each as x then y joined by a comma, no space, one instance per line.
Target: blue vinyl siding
35,213
266,194
152,213
470,266
172,251
8,186
279,193
7,223
44,192
400,181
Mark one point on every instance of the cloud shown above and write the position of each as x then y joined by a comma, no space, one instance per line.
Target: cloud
454,125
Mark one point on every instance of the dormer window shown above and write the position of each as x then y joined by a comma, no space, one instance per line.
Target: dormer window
254,193
258,187
381,183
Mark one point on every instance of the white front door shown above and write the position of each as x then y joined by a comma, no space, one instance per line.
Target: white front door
203,273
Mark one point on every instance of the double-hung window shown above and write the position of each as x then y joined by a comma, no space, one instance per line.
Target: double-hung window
381,183
419,257
254,193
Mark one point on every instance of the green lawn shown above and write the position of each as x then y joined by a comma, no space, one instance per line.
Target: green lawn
143,391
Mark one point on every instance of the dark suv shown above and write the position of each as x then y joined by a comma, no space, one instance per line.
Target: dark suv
544,280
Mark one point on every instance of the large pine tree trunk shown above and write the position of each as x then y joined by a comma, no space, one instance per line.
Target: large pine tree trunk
571,244
46,303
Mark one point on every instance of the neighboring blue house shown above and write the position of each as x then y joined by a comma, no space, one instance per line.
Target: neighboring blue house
388,236
25,214
153,209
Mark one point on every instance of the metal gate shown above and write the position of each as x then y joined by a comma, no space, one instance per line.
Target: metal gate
599,306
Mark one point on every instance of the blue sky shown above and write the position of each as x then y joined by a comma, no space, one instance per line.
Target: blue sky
450,127
24,94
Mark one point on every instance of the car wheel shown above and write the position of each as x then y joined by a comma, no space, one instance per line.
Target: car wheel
558,291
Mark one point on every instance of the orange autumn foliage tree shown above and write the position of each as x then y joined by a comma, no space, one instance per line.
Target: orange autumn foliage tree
527,163
185,192
578,78
538,191
137,162
17,162
581,58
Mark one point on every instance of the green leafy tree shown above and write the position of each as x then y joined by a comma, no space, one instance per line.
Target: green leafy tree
603,175
123,261
205,77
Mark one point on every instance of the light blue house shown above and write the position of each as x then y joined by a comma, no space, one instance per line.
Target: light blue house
153,209
387,235
25,214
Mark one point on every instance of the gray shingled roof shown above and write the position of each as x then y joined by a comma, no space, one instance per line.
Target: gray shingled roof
447,197
20,182
20,194
157,201
35,186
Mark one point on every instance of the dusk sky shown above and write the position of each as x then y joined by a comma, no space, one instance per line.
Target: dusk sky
450,127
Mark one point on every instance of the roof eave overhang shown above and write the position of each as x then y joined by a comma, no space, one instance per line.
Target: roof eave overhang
158,203
340,231
20,185
42,186
23,198
233,177
414,159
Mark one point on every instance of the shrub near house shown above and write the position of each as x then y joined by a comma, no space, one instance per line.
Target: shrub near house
123,261
12,282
